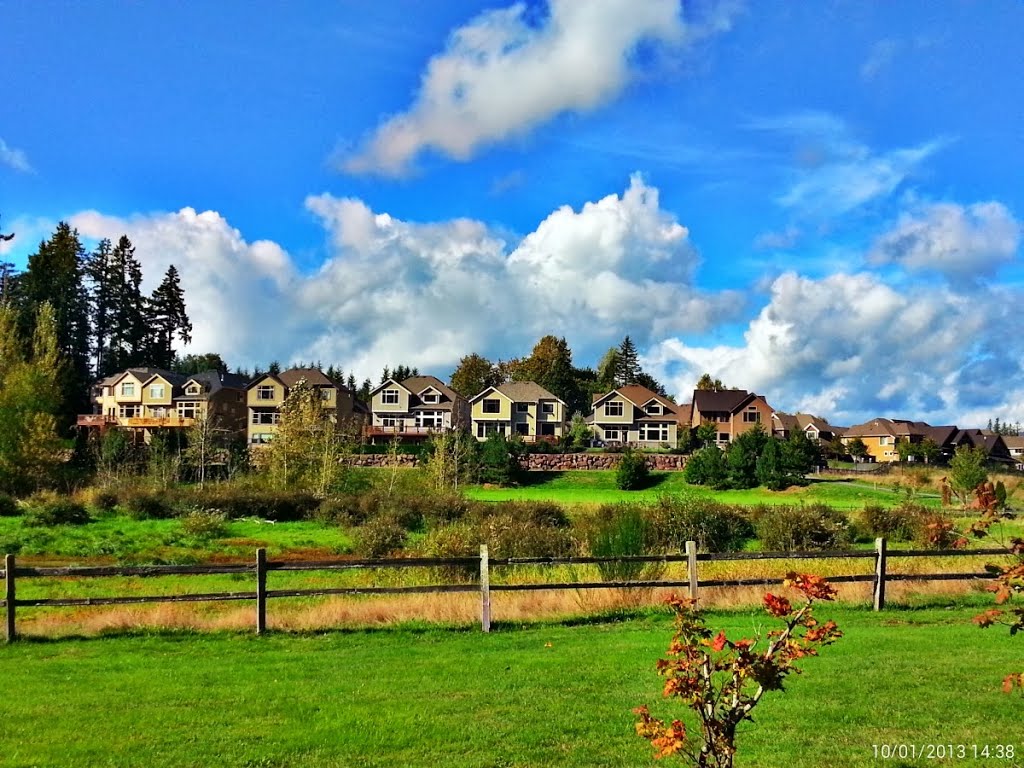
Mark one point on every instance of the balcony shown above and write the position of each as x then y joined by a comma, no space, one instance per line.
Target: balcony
95,420
156,422
405,430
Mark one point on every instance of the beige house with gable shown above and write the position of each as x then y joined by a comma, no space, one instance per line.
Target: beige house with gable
635,415
415,408
521,408
266,395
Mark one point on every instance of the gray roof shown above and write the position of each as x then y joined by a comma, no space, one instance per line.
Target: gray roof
525,392
728,400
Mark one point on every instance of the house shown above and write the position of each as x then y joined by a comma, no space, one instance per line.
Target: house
146,399
994,446
815,428
731,411
635,415
521,408
1015,445
881,435
266,394
415,408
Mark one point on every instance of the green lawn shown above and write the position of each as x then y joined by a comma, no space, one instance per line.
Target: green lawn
598,487
543,695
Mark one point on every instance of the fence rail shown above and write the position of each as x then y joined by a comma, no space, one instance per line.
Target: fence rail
483,565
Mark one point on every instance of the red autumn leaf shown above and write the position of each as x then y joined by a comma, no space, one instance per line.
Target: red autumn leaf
719,642
777,606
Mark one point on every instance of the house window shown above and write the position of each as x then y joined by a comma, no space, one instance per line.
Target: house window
265,392
613,409
128,411
723,437
522,428
488,428
192,389
751,415
492,405
547,407
547,430
522,407
187,410
325,394
265,417
612,435
654,408
431,397
654,432
156,391
261,438
128,389
389,397
885,441
430,419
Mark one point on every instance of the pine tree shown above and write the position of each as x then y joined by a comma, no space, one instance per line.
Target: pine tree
55,276
350,382
167,319
99,274
627,367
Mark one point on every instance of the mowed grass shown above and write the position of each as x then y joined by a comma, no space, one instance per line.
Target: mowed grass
539,695
598,487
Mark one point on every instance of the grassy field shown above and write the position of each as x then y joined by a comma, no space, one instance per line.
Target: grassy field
598,487
539,695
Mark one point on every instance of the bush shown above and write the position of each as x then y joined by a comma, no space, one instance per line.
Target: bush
517,529
380,536
621,530
631,474
341,510
148,505
896,523
204,523
803,527
935,530
279,506
706,467
58,512
8,506
714,526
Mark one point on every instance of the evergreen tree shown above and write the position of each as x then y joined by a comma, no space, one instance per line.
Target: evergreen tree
99,273
708,384
741,457
385,374
473,375
607,368
627,367
550,365
770,472
350,382
55,276
190,364
167,318
8,282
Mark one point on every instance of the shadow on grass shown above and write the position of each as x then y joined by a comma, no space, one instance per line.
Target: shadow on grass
534,479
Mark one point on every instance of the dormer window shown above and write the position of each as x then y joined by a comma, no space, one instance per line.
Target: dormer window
654,408
192,389
431,397
389,397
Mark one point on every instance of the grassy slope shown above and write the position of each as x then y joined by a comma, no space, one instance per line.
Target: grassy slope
547,695
598,487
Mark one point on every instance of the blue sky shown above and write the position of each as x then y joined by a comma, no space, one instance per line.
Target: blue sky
817,201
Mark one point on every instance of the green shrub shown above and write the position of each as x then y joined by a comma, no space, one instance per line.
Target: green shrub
631,473
714,526
8,506
380,536
204,523
621,530
706,467
546,514
452,540
58,512
341,510
148,505
519,529
236,502
803,527
896,523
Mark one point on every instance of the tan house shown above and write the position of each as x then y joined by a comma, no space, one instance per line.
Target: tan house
521,408
1015,447
635,415
731,411
266,394
415,408
815,428
146,399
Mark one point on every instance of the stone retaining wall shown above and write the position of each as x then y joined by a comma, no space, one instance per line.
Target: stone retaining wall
536,462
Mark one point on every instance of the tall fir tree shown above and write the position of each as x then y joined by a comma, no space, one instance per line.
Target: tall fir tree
627,367
167,319
55,274
99,273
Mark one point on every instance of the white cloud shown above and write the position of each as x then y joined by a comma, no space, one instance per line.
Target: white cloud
851,347
14,158
501,75
833,174
880,57
953,239
393,291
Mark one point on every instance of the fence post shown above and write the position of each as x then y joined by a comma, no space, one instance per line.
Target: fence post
261,591
691,568
880,562
9,598
485,589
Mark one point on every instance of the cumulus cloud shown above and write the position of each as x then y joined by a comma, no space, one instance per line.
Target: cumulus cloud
14,158
504,73
953,239
850,347
424,294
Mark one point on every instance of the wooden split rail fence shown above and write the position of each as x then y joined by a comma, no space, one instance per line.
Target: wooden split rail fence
483,565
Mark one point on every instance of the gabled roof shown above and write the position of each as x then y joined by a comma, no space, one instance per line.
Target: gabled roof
519,392
417,384
387,383
313,376
1014,441
641,396
728,400
142,374
211,382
